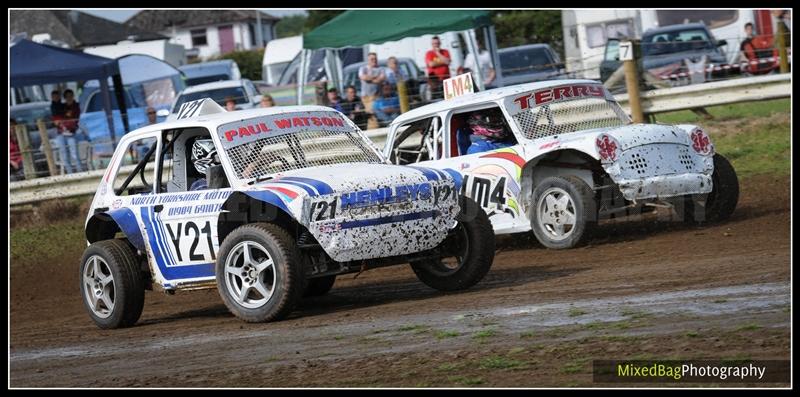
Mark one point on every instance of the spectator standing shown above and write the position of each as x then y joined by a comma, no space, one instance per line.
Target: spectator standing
67,123
353,107
230,104
56,106
387,107
334,100
393,72
437,61
14,155
371,76
485,64
267,101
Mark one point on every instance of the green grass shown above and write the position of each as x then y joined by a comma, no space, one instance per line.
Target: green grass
692,334
483,335
575,312
469,381
749,327
575,366
499,362
416,328
527,334
446,334
755,142
60,241
728,112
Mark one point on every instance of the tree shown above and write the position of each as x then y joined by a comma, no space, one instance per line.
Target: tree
318,17
292,25
249,62
515,28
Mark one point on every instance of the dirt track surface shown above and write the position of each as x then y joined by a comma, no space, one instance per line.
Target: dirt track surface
649,290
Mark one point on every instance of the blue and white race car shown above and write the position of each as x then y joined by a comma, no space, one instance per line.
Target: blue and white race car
556,156
268,205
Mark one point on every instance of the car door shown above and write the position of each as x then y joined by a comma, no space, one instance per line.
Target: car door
186,215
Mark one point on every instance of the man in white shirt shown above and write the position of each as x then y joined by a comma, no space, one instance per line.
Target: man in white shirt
485,63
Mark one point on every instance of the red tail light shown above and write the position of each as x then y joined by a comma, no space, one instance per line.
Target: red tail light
608,148
701,143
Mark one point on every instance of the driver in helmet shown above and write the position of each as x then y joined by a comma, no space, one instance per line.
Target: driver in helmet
204,155
488,131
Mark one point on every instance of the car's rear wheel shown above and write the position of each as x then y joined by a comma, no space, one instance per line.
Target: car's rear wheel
563,212
259,273
466,255
111,284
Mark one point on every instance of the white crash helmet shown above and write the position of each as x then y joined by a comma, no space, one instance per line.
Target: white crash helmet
204,155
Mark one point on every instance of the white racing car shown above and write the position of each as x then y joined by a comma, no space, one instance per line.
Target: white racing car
268,205
556,156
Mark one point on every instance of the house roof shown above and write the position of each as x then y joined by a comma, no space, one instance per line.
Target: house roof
161,20
80,30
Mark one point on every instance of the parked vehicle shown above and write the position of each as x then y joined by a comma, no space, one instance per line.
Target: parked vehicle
243,92
278,54
417,84
666,51
268,205
564,156
208,72
587,31
529,63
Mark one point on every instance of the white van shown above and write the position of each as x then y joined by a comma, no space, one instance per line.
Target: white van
278,54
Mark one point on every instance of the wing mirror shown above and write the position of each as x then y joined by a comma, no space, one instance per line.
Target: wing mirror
721,43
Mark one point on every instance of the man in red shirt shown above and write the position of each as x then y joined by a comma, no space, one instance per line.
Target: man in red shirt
437,61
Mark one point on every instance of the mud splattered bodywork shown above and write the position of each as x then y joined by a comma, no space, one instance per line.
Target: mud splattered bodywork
560,128
309,165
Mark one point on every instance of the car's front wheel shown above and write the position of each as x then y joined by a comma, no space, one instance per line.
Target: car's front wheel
111,284
563,212
259,273
721,202
466,255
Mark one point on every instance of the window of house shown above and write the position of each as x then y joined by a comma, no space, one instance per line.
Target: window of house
199,37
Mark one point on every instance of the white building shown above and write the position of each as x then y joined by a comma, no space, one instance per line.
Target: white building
173,54
207,33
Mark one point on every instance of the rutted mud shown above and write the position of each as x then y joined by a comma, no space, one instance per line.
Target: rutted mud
673,291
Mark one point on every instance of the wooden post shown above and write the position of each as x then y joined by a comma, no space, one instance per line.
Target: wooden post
780,39
46,148
628,53
28,166
402,93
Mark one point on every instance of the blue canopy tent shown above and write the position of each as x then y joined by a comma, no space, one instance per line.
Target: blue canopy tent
33,63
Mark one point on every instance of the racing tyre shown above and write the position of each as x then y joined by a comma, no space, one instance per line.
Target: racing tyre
259,273
563,212
319,286
111,284
721,202
466,254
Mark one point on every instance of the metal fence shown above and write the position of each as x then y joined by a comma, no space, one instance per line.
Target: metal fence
655,101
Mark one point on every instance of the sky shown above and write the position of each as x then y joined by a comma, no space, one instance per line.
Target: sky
123,15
